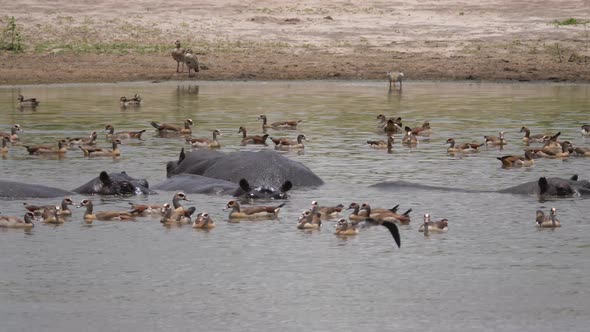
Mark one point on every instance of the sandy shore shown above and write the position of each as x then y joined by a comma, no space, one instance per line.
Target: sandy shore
109,41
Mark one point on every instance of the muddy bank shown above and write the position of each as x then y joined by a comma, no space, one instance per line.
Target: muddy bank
270,40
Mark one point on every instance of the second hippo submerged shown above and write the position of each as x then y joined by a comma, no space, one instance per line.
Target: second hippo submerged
260,174
543,187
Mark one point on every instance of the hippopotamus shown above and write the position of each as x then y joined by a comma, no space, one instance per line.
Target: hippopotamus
543,187
191,183
264,168
114,184
104,184
16,190
264,192
558,187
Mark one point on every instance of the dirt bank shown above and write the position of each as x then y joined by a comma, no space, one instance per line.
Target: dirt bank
112,41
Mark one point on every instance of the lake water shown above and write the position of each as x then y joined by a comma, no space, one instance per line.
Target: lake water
493,270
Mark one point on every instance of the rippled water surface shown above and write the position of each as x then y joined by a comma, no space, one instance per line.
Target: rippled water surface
492,271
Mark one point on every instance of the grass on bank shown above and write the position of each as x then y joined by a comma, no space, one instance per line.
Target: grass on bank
10,37
570,21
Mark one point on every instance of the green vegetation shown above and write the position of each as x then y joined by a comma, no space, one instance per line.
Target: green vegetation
11,39
570,21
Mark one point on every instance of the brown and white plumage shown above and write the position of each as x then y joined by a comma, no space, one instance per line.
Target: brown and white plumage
254,212
111,135
203,142
16,222
395,77
13,136
428,226
252,139
178,55
543,221
518,161
167,128
286,124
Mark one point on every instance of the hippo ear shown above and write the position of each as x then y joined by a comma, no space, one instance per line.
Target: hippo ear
286,186
574,177
181,156
124,173
105,178
245,185
543,185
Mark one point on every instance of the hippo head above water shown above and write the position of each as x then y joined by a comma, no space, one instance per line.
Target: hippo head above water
263,192
114,184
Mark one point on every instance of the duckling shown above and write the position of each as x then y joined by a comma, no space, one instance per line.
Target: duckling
381,144
167,128
343,227
309,220
527,139
103,215
517,161
122,134
428,226
543,221
84,141
130,102
4,148
585,130
100,152
496,141
465,147
288,124
255,212
64,209
12,136
16,222
582,151
287,144
45,150
256,139
424,130
395,77
178,55
52,216
357,214
192,62
409,138
30,102
205,142
204,221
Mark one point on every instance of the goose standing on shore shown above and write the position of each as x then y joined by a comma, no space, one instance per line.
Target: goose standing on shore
395,77
178,56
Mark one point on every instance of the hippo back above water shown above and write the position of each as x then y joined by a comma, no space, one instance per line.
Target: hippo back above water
262,168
